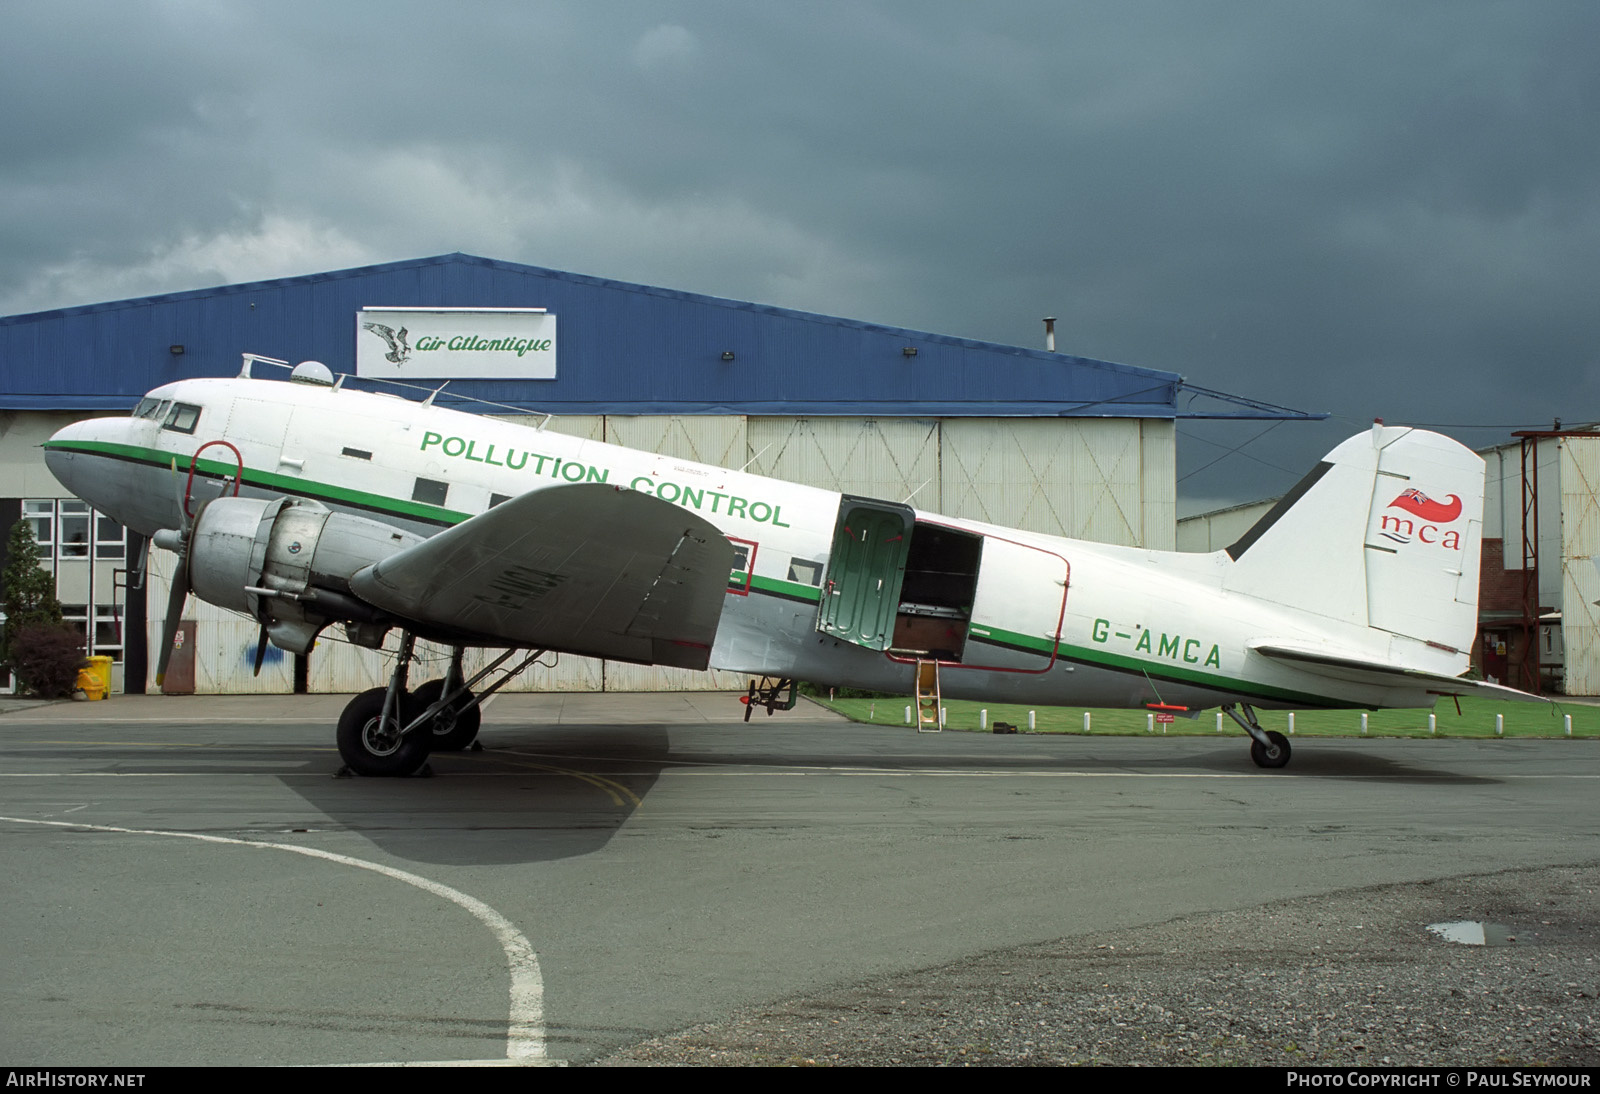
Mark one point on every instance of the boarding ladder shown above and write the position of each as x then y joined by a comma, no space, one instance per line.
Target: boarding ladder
928,710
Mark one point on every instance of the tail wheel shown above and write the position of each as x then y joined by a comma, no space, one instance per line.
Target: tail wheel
1274,755
371,745
455,727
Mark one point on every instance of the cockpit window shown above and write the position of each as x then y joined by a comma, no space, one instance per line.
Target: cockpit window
183,418
146,408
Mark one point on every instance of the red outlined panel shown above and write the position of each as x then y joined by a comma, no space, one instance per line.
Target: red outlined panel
736,587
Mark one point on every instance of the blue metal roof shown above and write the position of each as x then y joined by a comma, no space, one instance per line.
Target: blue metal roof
624,349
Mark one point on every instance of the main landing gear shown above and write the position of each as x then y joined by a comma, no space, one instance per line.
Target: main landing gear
391,731
1268,748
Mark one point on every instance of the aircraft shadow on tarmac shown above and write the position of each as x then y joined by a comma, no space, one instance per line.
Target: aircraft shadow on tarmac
529,795
539,793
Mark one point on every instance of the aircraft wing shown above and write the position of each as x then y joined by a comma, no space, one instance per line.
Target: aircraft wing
1360,670
589,569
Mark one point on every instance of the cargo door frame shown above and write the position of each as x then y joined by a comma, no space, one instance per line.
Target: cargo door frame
1054,639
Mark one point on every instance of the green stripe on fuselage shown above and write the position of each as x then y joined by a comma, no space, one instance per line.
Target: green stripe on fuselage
267,480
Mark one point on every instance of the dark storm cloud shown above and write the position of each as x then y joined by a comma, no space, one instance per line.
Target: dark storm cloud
1364,208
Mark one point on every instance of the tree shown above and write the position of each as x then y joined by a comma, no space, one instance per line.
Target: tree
29,595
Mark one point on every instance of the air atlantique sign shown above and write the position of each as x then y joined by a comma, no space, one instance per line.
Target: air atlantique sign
446,343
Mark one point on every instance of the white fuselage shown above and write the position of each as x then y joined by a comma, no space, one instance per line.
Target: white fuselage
1050,620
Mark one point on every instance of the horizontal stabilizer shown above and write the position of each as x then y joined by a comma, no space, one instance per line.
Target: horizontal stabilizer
1353,668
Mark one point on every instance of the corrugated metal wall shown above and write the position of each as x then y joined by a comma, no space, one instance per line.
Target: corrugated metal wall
1580,547
889,458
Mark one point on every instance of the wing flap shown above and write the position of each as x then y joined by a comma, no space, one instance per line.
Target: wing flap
588,569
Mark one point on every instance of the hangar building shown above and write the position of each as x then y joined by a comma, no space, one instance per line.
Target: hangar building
1021,437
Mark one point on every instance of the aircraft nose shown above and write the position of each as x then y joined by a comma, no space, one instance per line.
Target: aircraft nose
71,449
60,453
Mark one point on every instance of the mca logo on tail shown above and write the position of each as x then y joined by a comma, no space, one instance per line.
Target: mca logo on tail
1430,515
1439,512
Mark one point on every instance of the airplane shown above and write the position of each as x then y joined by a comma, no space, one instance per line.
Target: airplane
378,513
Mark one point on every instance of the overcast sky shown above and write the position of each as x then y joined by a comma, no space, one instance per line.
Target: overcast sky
1387,208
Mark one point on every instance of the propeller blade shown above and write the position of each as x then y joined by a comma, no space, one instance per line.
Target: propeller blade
176,600
261,649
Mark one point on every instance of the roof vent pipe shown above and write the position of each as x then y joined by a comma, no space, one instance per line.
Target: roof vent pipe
1050,333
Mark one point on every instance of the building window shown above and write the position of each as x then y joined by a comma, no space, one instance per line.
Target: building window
42,515
110,540
74,526
107,632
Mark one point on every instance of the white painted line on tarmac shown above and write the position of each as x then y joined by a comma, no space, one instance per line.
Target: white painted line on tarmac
525,1035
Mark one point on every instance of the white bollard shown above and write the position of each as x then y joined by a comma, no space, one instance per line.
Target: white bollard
983,718
1219,721
1363,721
1433,723
1568,720
1149,723
1291,723
1085,720
908,715
942,712
1499,725
1031,726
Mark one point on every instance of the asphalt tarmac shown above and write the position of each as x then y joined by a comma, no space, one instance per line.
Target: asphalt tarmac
187,882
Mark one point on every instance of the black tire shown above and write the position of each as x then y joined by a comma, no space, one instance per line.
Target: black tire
453,729
1276,756
371,749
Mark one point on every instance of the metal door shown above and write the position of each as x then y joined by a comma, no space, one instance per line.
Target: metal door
865,570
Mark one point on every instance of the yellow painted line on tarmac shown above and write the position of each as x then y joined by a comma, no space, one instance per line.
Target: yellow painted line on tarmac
615,790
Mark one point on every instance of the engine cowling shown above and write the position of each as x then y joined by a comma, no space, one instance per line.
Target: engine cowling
287,562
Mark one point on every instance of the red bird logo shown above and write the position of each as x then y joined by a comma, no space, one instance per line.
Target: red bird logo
1437,512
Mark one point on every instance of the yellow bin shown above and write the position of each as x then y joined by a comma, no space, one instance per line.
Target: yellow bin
94,680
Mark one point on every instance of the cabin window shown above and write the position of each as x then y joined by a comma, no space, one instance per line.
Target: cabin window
183,418
498,499
357,453
430,491
805,571
744,561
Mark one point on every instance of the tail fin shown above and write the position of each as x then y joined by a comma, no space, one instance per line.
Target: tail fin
1385,533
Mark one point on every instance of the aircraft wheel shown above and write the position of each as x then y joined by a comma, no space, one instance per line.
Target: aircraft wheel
454,728
371,747
1275,756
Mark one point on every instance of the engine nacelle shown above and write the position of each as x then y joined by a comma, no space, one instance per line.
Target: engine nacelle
287,562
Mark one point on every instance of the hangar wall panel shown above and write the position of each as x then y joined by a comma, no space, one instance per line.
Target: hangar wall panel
224,643
22,470
1215,531
704,438
1158,485
888,458
591,427
1580,546
1080,478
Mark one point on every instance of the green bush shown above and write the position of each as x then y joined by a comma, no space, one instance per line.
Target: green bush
29,595
45,658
